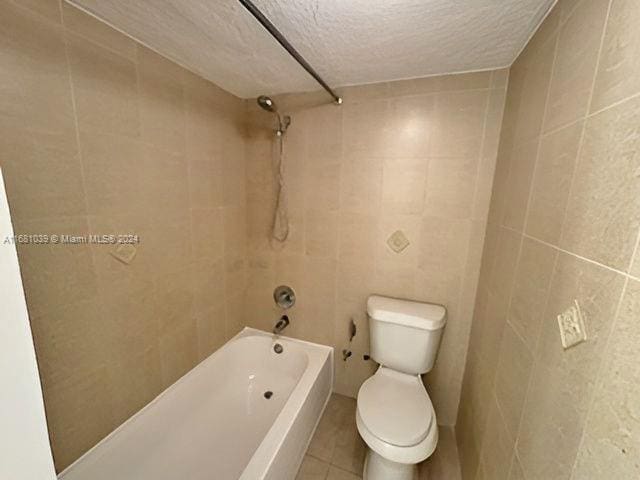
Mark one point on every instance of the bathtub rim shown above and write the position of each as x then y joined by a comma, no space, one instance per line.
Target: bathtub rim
291,409
245,332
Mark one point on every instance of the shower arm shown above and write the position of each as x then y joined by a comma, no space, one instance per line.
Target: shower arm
275,33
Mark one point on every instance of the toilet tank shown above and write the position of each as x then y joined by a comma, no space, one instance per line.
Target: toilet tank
405,335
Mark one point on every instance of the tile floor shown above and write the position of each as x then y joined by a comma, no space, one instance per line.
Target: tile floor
337,452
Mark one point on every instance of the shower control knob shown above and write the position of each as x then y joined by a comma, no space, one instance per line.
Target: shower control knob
284,296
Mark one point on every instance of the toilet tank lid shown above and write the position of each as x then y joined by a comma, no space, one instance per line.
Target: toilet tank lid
426,316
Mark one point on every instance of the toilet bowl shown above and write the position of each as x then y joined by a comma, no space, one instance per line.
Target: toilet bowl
396,420
395,416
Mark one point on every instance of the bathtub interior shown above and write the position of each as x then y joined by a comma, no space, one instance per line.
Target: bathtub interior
210,422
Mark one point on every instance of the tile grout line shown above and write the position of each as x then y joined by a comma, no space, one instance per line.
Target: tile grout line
598,376
588,116
481,156
339,213
105,46
535,362
543,18
530,349
634,256
588,260
513,460
391,96
331,464
584,127
568,252
606,350
564,126
614,104
136,41
76,125
533,349
581,144
533,176
605,359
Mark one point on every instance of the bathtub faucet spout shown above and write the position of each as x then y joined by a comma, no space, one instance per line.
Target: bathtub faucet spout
281,325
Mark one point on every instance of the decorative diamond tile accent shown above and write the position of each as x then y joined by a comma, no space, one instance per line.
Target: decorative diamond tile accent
398,241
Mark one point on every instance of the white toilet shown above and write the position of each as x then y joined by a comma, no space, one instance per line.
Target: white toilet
395,416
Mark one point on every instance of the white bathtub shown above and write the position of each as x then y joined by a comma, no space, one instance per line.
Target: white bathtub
215,422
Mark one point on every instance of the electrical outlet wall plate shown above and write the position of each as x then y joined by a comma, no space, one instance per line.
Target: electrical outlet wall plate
571,324
398,241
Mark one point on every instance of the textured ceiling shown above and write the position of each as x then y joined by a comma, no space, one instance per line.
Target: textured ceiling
349,42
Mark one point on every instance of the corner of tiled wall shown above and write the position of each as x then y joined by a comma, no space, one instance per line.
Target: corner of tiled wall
563,226
101,135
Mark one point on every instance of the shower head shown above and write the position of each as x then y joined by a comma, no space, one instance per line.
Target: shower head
267,104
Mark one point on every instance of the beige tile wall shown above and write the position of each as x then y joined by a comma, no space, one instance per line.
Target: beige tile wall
100,135
563,225
416,156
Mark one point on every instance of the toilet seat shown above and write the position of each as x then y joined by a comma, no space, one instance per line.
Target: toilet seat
396,407
395,416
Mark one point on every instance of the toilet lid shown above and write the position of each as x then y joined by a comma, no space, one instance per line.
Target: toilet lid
395,407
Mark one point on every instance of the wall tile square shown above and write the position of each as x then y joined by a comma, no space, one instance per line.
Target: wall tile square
321,233
112,171
42,173
503,272
43,265
134,382
529,80
450,187
552,181
575,64
162,107
34,50
50,9
618,70
324,140
358,236
512,378
414,122
361,185
603,214
71,344
403,185
78,22
105,87
612,432
523,161
163,183
563,383
368,130
459,124
530,289
444,241
497,446
322,184
71,418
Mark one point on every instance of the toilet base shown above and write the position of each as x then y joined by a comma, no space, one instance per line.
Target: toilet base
379,468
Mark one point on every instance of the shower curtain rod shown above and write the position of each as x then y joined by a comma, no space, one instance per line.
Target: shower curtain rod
264,21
